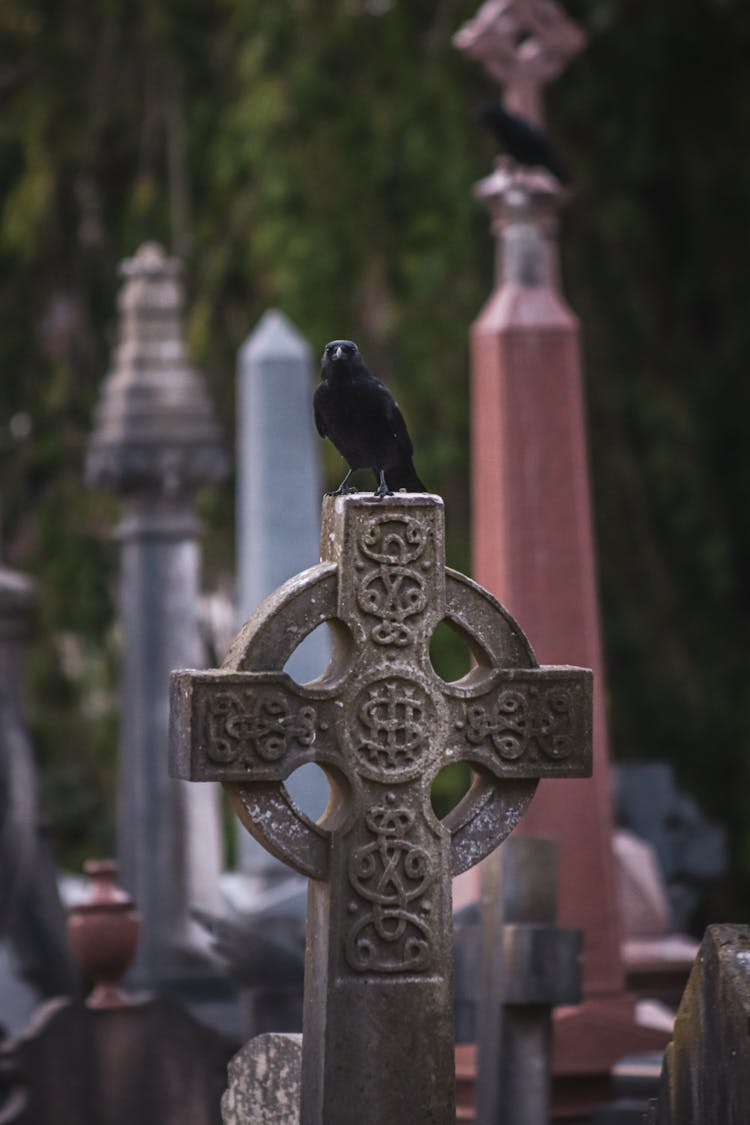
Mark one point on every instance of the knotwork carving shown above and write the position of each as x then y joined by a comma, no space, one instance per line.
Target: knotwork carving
243,726
391,874
393,717
533,723
395,589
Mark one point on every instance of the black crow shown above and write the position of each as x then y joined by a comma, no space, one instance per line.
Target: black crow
357,412
522,140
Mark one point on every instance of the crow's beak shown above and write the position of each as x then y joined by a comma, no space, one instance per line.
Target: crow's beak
338,353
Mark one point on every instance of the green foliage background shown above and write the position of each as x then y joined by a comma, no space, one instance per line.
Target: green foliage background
318,155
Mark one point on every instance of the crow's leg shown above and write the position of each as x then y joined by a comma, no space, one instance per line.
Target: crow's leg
342,489
382,489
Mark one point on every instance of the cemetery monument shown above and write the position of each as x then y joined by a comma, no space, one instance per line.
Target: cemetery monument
378,1023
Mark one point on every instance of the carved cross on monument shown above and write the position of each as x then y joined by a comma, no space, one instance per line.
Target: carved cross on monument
378,1027
524,45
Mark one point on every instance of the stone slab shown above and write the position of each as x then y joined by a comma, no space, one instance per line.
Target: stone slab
264,1082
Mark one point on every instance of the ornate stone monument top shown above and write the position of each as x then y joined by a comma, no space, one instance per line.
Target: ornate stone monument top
524,45
381,723
155,429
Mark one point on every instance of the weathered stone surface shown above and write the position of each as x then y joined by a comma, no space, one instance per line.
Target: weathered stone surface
706,1073
264,1082
382,724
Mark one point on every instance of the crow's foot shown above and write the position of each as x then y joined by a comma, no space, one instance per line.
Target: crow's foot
342,490
382,490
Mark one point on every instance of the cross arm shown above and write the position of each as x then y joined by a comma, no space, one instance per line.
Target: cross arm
244,726
525,723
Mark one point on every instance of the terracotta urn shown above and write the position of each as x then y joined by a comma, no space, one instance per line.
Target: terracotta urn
103,934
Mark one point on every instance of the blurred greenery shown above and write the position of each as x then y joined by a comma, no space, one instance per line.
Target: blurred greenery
319,156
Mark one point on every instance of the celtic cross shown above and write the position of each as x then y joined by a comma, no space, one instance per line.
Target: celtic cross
524,45
378,1022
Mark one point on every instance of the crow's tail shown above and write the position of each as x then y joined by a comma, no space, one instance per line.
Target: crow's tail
404,476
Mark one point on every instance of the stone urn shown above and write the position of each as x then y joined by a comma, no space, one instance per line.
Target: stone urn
103,934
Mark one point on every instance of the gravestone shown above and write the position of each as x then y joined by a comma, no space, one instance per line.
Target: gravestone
705,1076
378,1022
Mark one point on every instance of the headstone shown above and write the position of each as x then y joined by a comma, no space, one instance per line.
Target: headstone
34,957
533,541
155,443
264,1082
278,501
382,723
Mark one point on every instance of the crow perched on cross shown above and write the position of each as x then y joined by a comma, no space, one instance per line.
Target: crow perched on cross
521,139
359,415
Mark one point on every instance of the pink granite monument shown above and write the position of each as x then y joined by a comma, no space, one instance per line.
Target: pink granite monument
532,533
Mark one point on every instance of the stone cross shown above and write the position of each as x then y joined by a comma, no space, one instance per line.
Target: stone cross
378,1028
524,45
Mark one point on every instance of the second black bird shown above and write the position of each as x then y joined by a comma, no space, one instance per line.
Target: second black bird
521,139
357,412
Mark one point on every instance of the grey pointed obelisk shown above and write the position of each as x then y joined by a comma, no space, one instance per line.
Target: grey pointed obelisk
278,511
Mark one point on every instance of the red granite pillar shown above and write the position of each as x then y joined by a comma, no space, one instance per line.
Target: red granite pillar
532,535
533,547
532,539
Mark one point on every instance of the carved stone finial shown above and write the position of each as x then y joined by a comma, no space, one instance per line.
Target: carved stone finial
523,206
524,45
155,429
